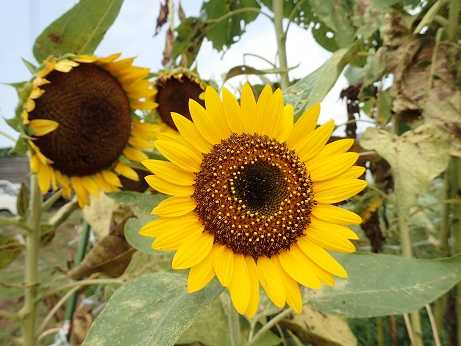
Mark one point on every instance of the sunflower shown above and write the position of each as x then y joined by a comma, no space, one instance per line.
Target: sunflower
252,198
173,91
83,130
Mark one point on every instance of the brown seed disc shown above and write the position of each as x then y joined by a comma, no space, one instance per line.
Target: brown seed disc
93,113
254,195
173,95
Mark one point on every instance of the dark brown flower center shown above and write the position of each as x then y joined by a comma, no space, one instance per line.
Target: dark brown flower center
254,195
173,95
93,113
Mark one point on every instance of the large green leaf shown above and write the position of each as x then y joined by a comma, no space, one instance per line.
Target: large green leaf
416,158
79,30
133,237
10,249
141,203
154,309
315,86
380,285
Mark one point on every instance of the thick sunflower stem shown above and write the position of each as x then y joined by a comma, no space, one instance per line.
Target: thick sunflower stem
233,321
29,310
277,8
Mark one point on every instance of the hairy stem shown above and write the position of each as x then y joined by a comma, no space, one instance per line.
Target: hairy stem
29,310
277,8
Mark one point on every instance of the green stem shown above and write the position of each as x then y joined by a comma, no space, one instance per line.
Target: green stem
456,228
277,8
81,251
29,310
51,200
233,321
269,325
453,20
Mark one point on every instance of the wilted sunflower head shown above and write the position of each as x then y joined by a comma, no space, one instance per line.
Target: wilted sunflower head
174,89
83,131
252,198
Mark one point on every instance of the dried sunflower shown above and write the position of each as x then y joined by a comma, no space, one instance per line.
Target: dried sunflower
80,117
252,198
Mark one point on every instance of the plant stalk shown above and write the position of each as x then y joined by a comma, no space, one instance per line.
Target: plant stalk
29,310
456,229
277,8
453,20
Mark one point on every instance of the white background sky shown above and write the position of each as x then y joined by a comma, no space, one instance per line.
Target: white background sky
21,21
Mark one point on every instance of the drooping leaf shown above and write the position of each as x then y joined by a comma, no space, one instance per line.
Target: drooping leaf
416,158
10,249
133,237
154,309
79,30
315,86
380,285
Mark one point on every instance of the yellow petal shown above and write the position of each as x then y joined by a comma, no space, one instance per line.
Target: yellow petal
36,93
273,117
338,230
305,124
248,109
330,241
90,185
203,123
332,166
44,178
190,133
253,304
200,275
183,156
134,154
86,58
223,264
240,285
286,124
41,127
65,65
315,141
321,257
162,226
170,172
215,113
353,173
271,276
111,178
193,250
262,108
126,171
234,116
174,206
337,190
336,147
294,298
80,191
333,214
168,188
296,264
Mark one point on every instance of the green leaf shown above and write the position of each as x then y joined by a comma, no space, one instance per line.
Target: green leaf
381,285
322,33
224,32
142,203
154,309
132,236
200,331
30,66
416,158
22,200
189,37
10,249
315,86
79,30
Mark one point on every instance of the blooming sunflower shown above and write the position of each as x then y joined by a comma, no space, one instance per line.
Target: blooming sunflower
173,91
79,114
252,197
